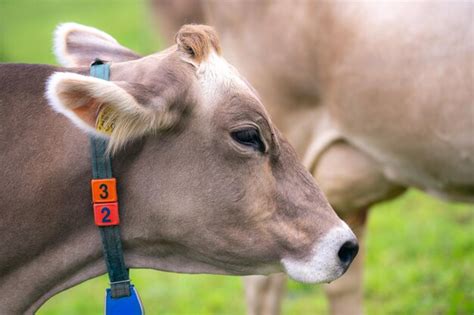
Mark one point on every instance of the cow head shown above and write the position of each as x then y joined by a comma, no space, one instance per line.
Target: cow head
213,186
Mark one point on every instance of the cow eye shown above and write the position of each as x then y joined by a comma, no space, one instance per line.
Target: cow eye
249,137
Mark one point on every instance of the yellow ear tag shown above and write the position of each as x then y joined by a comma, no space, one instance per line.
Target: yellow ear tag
104,122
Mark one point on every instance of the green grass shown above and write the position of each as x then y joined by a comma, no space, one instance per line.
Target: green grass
420,250
26,26
420,257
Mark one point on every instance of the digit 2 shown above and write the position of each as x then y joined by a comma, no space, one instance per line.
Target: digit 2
105,219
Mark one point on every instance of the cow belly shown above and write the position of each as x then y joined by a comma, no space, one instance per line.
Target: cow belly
429,145
437,168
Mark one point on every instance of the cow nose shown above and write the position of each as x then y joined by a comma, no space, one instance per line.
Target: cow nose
347,252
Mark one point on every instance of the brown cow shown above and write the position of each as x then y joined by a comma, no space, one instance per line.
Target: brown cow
207,184
376,96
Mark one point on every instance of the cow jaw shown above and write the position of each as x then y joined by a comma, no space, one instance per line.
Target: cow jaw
323,263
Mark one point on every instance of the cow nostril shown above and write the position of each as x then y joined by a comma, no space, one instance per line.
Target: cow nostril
347,252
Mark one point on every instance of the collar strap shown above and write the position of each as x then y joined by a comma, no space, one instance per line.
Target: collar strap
105,200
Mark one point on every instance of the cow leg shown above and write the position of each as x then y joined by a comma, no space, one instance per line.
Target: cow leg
352,182
345,295
264,294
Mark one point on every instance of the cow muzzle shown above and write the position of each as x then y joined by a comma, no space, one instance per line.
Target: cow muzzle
330,257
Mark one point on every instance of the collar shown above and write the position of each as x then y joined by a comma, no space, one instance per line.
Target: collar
121,297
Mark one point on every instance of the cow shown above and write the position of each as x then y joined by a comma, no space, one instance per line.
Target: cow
206,183
376,97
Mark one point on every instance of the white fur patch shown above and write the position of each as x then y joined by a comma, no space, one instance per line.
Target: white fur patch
58,105
323,264
216,75
61,33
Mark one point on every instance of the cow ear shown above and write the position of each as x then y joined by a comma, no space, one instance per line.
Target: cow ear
110,108
78,45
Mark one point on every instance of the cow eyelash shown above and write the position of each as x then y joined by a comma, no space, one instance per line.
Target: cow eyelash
249,137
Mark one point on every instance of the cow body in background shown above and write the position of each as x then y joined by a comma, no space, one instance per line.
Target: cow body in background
375,96
206,183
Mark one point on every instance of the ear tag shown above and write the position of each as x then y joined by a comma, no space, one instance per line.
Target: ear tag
127,305
104,122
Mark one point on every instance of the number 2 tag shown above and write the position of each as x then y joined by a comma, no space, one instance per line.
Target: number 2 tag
106,214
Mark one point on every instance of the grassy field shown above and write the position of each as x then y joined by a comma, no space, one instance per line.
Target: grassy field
420,250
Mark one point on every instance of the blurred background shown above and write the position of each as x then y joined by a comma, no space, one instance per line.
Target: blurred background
420,250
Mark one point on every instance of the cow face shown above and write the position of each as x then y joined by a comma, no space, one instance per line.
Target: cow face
213,186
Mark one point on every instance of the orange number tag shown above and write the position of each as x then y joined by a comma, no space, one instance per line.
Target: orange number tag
106,214
104,190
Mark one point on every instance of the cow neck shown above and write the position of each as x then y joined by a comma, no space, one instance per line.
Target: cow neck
122,294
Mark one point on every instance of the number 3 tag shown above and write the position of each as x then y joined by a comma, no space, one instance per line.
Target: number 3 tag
104,190
106,214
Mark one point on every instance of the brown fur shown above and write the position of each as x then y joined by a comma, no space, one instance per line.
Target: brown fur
198,40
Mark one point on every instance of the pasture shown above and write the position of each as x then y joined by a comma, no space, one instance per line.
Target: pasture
420,251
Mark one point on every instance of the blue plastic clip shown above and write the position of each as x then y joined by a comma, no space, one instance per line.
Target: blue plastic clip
127,305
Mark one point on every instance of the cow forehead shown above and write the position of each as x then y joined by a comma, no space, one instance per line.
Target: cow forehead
217,77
